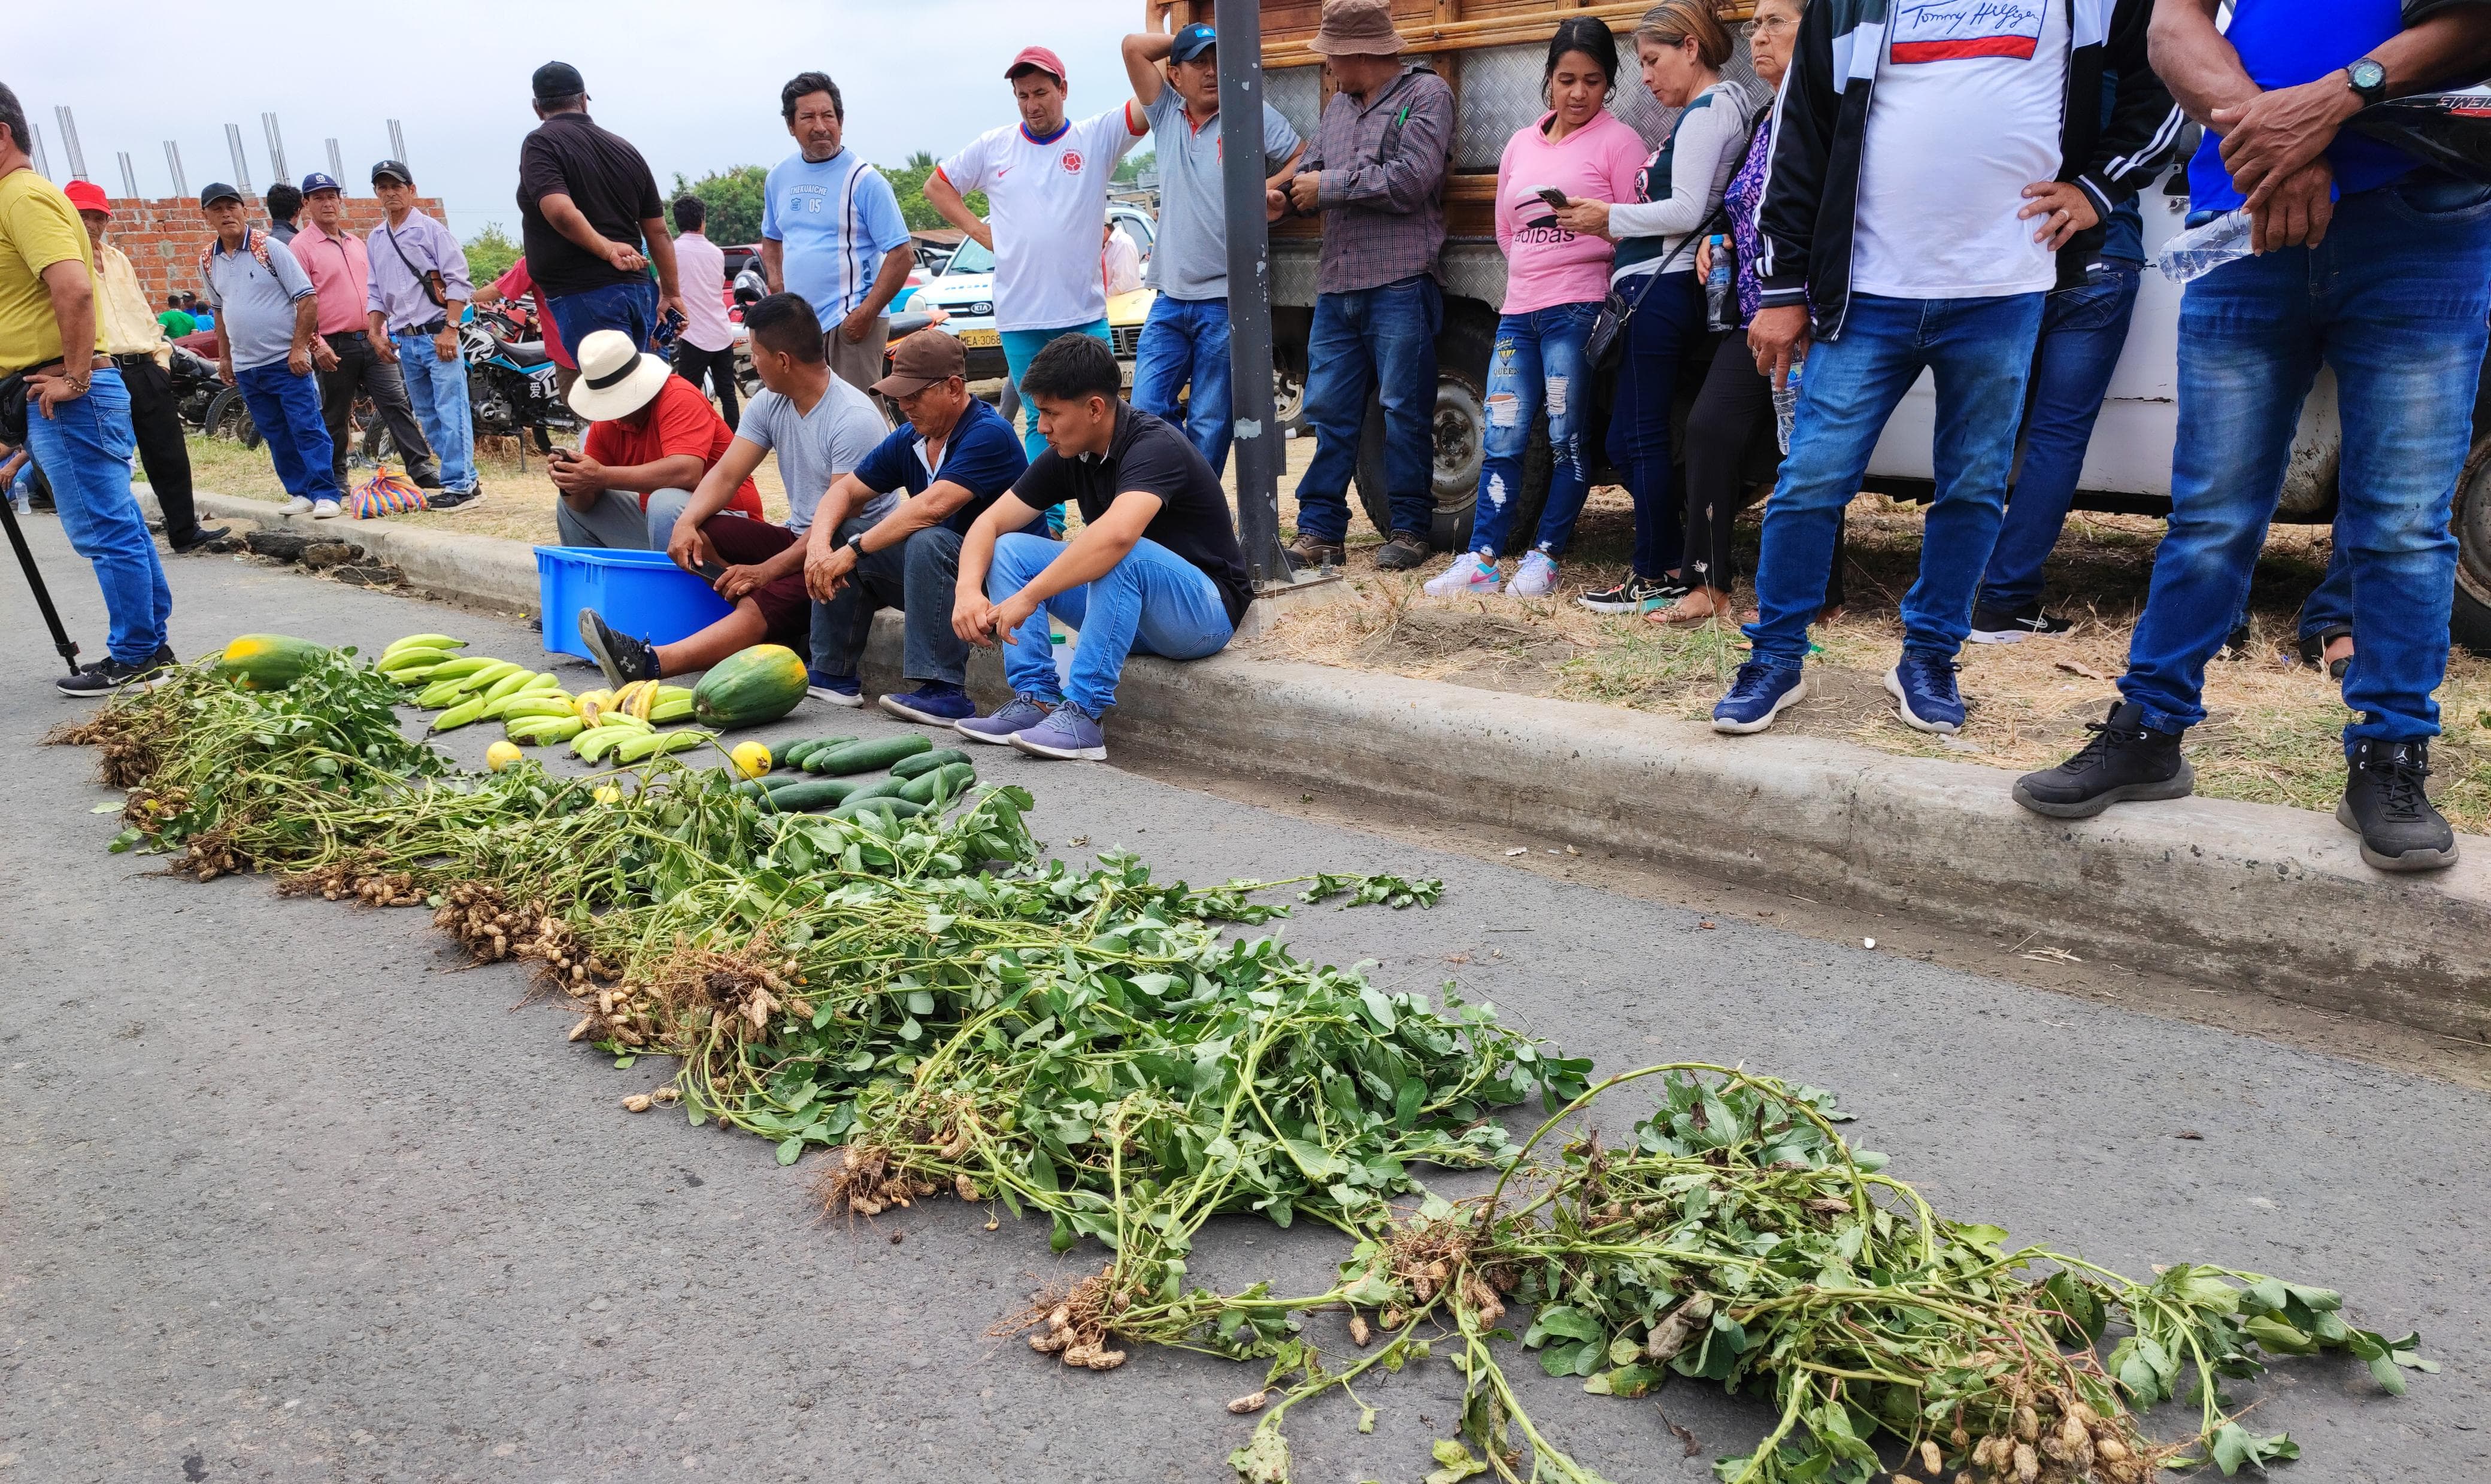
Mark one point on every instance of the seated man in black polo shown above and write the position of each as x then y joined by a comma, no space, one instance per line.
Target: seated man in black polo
953,455
1156,567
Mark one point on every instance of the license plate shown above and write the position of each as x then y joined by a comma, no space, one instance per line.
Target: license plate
981,338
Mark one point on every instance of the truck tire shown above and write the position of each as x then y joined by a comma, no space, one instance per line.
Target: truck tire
1463,350
2469,622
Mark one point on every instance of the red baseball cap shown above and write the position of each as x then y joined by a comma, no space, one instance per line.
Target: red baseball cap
86,197
1040,57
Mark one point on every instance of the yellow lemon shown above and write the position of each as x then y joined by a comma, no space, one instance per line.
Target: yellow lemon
501,755
750,759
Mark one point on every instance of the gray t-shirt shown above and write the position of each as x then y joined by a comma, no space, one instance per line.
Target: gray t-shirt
1191,260
256,305
815,449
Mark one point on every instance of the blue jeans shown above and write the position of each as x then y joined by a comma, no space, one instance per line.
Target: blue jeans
84,448
2394,302
631,308
1668,319
1154,602
1381,340
1981,350
1537,362
286,409
438,389
1020,348
2083,331
2330,602
1185,340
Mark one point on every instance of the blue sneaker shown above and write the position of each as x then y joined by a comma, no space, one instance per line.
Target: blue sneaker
1757,694
837,690
1922,686
1069,733
1018,715
935,704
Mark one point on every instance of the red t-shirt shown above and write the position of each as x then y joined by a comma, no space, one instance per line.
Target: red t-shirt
682,422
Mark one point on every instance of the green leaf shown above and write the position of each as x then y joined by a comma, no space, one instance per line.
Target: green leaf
2233,1446
1455,1463
790,1150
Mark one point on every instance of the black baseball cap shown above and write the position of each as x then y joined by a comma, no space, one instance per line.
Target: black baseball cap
1192,42
557,80
218,191
393,169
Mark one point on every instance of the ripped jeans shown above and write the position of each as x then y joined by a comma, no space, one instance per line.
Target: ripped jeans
1537,362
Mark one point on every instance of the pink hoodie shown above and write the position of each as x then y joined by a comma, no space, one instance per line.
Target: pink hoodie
1549,265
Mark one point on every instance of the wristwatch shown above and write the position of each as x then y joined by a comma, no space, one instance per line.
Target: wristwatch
856,544
2369,80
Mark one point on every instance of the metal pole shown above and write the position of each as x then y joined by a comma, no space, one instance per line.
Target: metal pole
128,175
70,142
240,161
1257,443
337,168
42,162
173,163
397,143
275,147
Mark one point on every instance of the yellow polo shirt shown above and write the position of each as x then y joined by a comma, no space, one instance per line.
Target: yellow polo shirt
120,311
37,228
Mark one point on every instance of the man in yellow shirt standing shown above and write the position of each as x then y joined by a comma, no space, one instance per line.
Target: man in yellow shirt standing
139,351
76,411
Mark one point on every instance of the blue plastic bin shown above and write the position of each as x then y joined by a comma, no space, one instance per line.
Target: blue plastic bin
640,593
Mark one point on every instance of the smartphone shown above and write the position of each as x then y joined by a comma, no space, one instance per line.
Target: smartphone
561,454
1554,197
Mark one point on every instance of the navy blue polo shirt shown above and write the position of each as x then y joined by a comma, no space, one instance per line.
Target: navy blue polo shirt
983,455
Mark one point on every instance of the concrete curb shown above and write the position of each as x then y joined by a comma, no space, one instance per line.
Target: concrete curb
2243,895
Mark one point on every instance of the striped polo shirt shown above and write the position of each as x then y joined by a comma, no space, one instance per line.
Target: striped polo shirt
836,219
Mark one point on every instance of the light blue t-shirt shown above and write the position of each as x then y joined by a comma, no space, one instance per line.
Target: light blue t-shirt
836,222
2285,44
258,302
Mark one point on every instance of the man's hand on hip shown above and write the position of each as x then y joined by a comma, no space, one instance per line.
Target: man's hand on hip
2065,210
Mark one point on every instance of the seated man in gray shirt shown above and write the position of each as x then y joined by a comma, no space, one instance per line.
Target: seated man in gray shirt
820,428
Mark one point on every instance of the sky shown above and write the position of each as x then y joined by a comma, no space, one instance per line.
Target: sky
696,86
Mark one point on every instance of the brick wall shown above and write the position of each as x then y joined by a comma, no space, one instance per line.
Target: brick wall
163,238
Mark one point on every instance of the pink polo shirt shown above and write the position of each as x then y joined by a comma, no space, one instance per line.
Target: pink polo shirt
341,275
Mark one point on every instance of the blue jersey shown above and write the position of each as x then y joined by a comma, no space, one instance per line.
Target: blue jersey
836,221
2286,43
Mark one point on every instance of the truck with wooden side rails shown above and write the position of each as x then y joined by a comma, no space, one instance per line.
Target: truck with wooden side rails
1491,52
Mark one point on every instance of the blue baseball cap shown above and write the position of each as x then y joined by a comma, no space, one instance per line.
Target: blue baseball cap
321,179
1192,42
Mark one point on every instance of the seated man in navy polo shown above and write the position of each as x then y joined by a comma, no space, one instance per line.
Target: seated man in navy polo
955,455
1154,569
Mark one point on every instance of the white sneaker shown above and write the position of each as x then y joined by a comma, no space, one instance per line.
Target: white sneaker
300,505
327,509
1470,573
1538,577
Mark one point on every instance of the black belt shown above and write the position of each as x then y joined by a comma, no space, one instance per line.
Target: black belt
131,362
434,328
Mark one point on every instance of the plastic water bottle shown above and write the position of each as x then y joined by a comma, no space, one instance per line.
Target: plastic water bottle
1721,290
1786,404
2200,250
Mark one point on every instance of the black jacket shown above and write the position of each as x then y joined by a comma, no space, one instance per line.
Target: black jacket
1812,188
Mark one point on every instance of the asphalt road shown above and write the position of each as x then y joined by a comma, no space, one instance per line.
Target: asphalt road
286,1193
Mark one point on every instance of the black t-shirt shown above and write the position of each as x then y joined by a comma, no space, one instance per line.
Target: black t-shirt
1147,455
605,178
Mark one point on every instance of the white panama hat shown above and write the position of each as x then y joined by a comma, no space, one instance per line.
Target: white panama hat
616,378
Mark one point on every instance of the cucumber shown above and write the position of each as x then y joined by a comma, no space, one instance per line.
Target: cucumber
926,762
797,754
780,753
879,788
944,783
880,804
807,795
865,756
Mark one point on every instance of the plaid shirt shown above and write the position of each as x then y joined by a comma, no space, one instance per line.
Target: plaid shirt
1383,198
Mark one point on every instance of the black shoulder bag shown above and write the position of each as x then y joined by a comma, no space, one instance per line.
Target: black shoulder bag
1602,347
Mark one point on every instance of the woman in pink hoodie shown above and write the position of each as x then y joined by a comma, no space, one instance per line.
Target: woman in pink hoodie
1555,283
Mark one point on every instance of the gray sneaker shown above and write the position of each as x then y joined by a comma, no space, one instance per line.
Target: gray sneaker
1019,714
1069,733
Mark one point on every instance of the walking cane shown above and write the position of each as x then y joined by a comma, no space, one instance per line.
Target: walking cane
61,639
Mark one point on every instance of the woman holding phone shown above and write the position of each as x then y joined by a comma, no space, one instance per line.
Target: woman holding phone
1656,227
1556,279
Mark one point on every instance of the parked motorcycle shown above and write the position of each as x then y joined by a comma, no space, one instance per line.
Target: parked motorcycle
510,383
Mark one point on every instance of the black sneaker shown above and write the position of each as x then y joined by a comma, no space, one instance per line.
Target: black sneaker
2000,625
201,538
2126,760
2385,803
1635,594
1407,550
108,674
451,498
622,657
